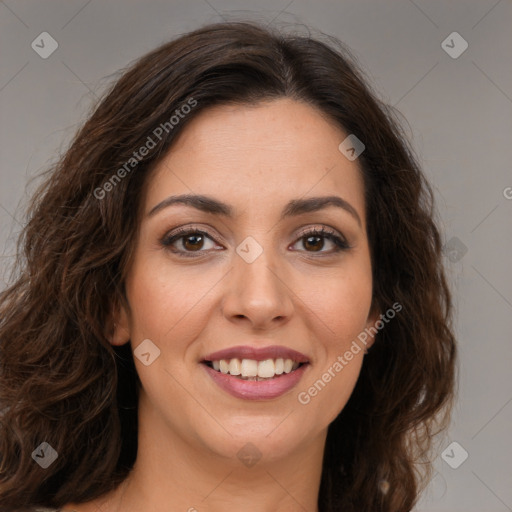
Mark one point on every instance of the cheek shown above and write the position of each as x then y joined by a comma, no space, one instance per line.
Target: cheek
343,304
165,305
329,393
343,307
330,383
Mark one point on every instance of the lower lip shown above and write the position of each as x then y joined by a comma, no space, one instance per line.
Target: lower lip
254,389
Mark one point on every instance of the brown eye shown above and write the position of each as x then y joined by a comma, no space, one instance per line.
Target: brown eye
314,241
193,242
188,241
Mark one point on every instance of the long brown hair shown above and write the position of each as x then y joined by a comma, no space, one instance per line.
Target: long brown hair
63,383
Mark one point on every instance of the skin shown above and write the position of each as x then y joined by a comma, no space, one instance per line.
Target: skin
256,159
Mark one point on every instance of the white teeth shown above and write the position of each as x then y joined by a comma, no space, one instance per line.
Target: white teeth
266,368
249,368
235,367
224,366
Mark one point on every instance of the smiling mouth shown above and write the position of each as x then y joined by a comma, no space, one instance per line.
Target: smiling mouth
252,370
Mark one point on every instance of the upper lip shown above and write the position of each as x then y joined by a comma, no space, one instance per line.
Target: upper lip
257,353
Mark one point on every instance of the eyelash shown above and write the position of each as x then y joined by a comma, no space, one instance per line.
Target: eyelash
339,243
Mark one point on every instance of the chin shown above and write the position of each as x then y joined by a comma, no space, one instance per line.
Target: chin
268,439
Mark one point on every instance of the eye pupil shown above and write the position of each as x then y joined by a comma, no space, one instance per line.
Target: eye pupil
196,243
315,247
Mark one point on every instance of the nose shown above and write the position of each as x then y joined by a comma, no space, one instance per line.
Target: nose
257,293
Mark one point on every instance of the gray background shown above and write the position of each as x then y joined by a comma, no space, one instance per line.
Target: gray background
459,119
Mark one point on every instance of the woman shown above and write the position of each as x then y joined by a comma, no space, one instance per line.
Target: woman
229,293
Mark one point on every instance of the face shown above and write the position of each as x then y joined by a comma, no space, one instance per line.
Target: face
268,275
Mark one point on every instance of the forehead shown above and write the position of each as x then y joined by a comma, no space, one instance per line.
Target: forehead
268,152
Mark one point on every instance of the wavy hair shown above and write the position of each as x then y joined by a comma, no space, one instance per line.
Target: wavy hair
62,382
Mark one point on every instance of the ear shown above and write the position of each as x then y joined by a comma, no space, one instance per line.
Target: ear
119,326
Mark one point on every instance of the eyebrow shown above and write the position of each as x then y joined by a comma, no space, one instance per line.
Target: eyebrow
294,207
